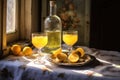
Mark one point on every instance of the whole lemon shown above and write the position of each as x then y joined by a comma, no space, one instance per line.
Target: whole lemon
27,51
21,54
16,49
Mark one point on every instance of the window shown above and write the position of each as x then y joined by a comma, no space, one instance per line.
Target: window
12,20
11,15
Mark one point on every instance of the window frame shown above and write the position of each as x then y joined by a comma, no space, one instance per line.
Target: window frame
25,19
1,25
3,43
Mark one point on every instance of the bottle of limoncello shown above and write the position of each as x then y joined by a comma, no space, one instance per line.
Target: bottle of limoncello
53,27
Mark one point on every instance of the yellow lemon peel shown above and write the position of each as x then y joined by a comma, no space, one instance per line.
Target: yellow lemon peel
56,52
27,51
16,49
81,51
73,57
61,57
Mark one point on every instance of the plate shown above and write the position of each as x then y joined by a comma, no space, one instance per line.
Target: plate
85,61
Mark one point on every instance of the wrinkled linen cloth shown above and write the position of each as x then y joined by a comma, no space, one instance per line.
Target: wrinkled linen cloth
104,66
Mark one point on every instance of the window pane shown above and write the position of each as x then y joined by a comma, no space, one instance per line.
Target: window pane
11,10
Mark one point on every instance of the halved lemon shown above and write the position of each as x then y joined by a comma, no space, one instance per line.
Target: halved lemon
58,51
73,57
61,57
81,51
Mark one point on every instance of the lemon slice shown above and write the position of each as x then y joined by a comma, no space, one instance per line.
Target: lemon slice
62,57
73,57
81,51
58,51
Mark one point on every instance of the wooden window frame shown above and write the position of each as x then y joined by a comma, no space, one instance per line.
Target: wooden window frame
25,19
2,27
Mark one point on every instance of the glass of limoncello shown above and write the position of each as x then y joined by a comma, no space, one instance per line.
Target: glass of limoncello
70,38
39,40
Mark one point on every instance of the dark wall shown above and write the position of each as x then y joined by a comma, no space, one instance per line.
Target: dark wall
105,23
36,15
39,14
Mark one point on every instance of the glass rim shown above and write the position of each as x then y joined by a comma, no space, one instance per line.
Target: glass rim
39,33
70,31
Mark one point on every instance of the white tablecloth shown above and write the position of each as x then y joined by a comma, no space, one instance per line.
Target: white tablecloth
24,68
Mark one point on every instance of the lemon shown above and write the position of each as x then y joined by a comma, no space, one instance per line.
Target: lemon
21,54
58,51
73,57
27,51
16,49
61,57
81,51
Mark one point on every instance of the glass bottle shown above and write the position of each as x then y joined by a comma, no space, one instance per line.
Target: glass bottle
53,27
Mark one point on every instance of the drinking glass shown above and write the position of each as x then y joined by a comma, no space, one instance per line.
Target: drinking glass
39,40
70,38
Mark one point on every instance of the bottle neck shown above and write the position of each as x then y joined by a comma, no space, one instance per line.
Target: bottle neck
52,8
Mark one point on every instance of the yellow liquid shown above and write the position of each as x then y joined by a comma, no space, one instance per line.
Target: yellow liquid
54,41
39,41
70,39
